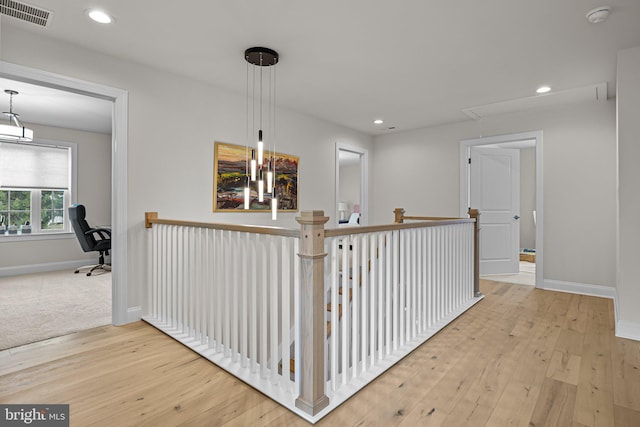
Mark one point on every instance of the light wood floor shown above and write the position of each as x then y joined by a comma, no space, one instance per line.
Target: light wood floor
522,357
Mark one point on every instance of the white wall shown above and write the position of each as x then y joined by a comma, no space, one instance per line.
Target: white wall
628,193
93,190
419,171
527,197
172,173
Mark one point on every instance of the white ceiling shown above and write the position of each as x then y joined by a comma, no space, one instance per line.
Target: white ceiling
413,63
52,107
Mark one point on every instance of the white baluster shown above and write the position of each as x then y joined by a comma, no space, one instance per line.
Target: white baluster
384,323
219,281
420,283
373,300
365,294
296,311
404,237
397,280
154,272
344,321
274,264
335,330
165,262
285,311
355,305
235,289
264,300
212,287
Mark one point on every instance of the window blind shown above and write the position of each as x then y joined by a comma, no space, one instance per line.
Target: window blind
34,166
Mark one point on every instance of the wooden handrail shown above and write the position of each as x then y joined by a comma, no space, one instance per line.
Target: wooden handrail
152,218
361,229
400,217
430,218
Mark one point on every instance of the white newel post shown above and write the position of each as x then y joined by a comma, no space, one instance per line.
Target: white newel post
312,397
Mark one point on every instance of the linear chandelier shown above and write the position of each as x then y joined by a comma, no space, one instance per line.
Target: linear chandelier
14,131
260,169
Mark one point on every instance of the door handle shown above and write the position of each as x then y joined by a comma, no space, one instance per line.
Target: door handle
516,217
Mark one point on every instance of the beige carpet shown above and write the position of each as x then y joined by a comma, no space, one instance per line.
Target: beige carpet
35,307
527,275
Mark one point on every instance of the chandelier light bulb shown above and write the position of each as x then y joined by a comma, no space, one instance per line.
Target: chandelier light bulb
274,208
247,196
269,182
260,148
261,187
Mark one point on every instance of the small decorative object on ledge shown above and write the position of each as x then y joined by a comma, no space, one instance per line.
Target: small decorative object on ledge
230,176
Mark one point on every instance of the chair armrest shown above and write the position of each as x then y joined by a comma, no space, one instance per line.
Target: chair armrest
100,231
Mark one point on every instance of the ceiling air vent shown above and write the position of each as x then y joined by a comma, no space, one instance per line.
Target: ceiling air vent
25,12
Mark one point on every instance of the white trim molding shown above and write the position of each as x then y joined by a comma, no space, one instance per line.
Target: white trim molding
364,181
119,142
45,267
623,328
134,314
629,330
580,288
465,153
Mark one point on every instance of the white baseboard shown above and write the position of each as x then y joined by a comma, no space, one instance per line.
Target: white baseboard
134,314
580,288
41,268
626,329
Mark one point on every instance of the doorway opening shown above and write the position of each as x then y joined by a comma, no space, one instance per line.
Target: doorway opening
118,97
352,183
512,222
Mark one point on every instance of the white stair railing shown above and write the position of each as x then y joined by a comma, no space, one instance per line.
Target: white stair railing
230,293
392,287
244,297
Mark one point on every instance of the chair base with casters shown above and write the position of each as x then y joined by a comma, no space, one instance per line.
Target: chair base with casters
93,267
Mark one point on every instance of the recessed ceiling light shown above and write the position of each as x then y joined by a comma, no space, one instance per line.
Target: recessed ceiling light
100,16
543,89
378,122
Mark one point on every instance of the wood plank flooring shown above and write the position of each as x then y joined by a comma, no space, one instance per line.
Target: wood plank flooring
521,357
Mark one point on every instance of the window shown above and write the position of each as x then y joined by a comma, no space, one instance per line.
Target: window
52,210
36,186
15,207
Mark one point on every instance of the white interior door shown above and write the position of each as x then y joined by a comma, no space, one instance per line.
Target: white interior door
495,192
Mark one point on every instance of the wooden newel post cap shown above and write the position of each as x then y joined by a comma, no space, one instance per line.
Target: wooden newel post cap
312,217
399,212
474,213
148,217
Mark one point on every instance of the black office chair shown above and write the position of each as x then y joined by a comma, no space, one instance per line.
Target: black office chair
90,239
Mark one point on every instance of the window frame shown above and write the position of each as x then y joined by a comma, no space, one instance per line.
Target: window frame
69,198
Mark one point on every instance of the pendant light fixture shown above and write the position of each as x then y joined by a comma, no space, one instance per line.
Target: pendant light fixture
14,131
261,63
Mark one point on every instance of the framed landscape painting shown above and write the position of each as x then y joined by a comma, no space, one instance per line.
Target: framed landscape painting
230,166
